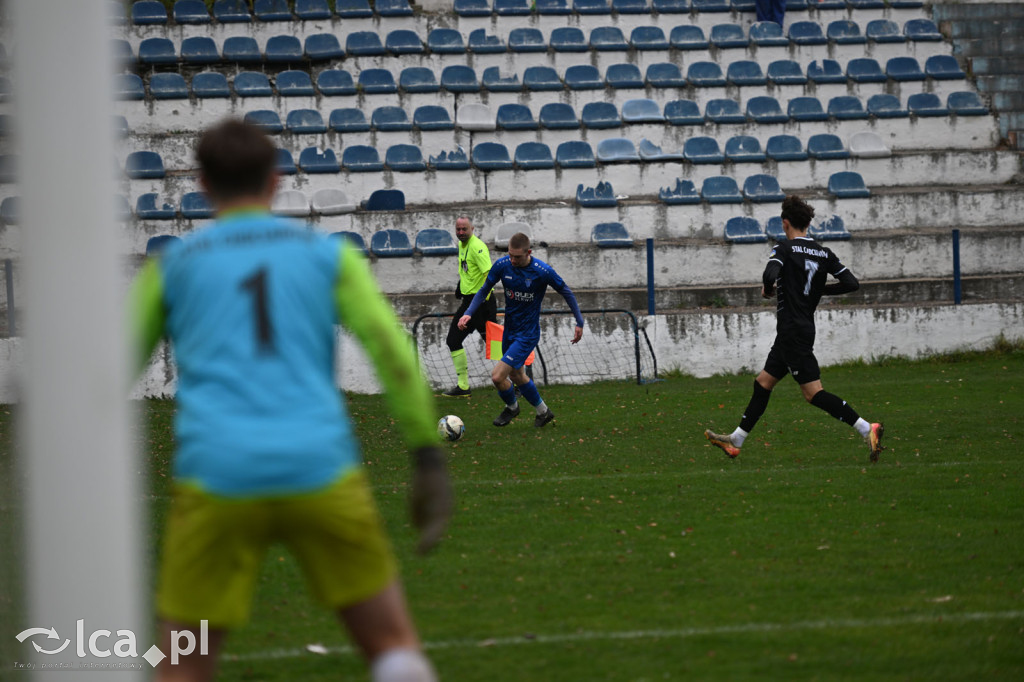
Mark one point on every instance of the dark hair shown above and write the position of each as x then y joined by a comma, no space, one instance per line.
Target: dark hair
797,212
236,160
519,241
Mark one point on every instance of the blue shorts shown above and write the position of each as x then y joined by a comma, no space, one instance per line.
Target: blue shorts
514,351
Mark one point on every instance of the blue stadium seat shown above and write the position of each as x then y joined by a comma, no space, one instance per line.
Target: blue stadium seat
568,39
611,236
847,185
323,46
472,8
785,148
120,126
600,115
493,80
768,34
683,112
253,84
764,109
157,51
688,37
294,83
231,12
154,245
418,79
403,41
865,4
591,7
762,188
387,200
831,228
364,44
241,49
648,38
390,118
354,238
515,117
541,78
332,82
445,41
904,69
664,75
702,149
526,40
432,117
884,31
600,196
10,210
705,74
865,70
361,158
283,50
886,106
128,86
845,32
926,104
630,6
744,149
583,77
724,111
377,82
533,156
744,230
511,8
191,12
313,160
481,43
148,12
786,72
806,33
720,190
683,193
642,110
966,104
393,8
906,4
453,160
389,243
196,206
144,165
651,152
745,72
846,108
616,150
575,154
459,78
285,164
305,122
308,10
558,116
199,50
436,242
624,76
725,36
773,228
826,71
711,5
608,39
271,10
404,158
123,53
168,86
553,7
806,109
671,6
943,67
150,207
922,30
489,156
826,146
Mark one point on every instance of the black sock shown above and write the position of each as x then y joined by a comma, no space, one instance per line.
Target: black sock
756,407
835,406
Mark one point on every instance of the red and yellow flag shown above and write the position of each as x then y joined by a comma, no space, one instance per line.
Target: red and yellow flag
494,333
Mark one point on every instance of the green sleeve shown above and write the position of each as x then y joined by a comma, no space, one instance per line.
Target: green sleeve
482,258
145,314
366,312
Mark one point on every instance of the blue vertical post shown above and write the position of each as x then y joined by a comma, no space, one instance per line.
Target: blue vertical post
957,289
9,283
650,276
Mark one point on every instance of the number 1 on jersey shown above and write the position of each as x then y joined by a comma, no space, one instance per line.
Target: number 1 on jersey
256,286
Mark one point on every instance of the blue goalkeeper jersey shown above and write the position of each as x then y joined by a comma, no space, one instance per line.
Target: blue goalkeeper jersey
524,293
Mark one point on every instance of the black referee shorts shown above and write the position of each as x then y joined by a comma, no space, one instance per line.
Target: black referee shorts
487,312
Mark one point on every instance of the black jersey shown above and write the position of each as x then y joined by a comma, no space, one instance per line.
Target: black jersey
798,269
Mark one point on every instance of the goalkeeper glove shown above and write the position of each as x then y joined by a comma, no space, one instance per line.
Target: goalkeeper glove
431,501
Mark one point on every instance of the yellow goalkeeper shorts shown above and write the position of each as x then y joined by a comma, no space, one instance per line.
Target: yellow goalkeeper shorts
214,546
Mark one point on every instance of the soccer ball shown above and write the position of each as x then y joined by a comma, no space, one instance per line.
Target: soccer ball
451,427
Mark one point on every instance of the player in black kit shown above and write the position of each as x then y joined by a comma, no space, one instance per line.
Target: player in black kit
796,272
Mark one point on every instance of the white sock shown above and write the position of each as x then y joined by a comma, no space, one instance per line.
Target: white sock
863,427
402,665
541,407
738,436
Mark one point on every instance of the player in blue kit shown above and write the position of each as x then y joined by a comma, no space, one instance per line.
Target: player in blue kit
525,279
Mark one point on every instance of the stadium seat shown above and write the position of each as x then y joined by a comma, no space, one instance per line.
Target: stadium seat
943,67
773,228
364,44
764,109
886,106
144,165
123,53
389,243
157,51
309,10
252,84
390,118
8,167
541,78
294,83
671,6
149,12
491,156
285,164
825,71
386,200
923,30
190,12
904,69
494,81
724,111
846,108
150,206
403,41
786,72
231,12
475,117
611,236
515,117
533,155
847,185
642,110
806,33
154,245
353,238
526,40
768,34
591,7
271,10
651,152
705,74
868,145
120,126
865,70
322,46
688,37
720,190
459,78
744,230
313,160
599,115
865,4
710,5
600,196
583,77
553,7
128,86
630,6
199,50
966,104
926,104
568,39
624,76
744,149
481,43
762,188
505,232
361,158
305,122
683,112
472,8
511,8
785,148
558,116
745,72
616,150
826,146
453,160
290,202
884,31
845,32
377,82
348,120
648,38
393,8
405,158
418,79
283,50
195,206
331,201
683,193
831,228
575,154
331,82
432,117
168,86
445,41
436,242
702,149
241,50
724,36
664,75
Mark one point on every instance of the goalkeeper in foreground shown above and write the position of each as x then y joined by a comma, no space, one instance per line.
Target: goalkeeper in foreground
265,450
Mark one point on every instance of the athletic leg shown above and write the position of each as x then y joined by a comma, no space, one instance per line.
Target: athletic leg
816,395
195,666
454,341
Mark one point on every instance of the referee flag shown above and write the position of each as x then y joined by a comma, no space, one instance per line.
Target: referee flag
494,334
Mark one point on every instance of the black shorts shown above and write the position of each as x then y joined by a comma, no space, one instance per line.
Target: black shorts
793,355
487,312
